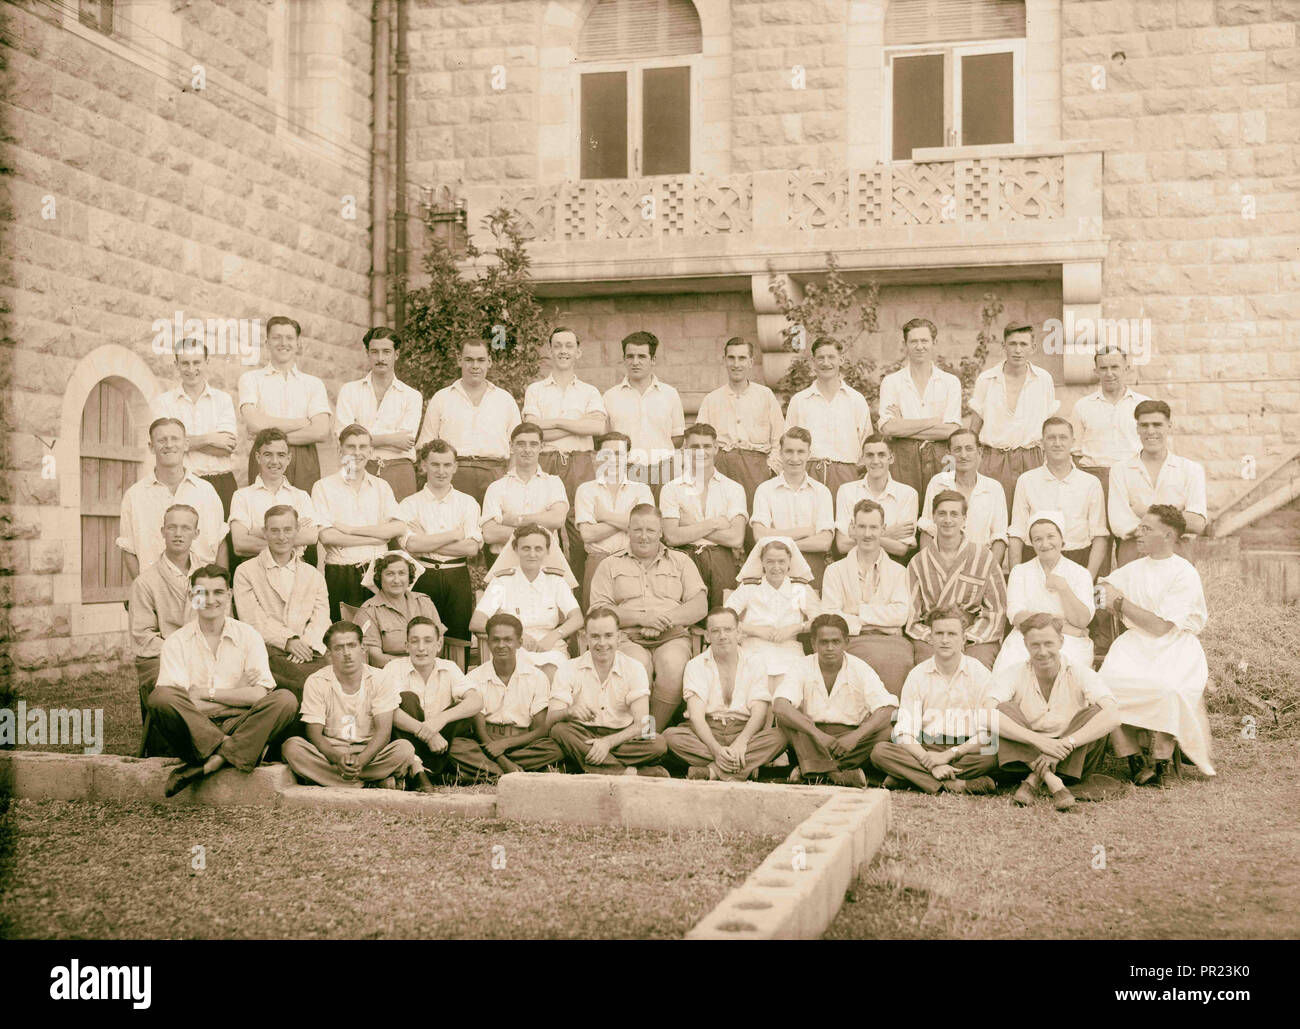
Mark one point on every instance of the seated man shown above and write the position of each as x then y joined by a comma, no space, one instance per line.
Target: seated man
599,710
870,592
215,702
285,600
348,709
1157,669
270,489
434,709
510,733
941,738
656,593
1054,716
160,603
954,571
705,514
727,701
834,708
602,507
796,505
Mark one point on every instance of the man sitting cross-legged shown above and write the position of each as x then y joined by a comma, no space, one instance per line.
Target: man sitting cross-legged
599,710
511,729
941,738
348,709
727,700
1054,716
215,702
435,709
834,707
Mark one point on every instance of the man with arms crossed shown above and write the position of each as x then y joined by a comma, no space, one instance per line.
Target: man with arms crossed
899,501
796,505
388,408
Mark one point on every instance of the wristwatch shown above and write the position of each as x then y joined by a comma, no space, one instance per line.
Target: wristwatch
212,691
1070,741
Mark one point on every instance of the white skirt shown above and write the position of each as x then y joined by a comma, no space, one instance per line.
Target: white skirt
778,658
1075,649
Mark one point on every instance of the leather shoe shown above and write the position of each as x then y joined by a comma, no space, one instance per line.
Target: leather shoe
182,777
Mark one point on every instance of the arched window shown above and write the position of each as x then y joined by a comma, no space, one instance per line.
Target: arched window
111,461
954,73
636,94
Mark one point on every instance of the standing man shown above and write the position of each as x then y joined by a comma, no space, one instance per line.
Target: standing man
986,507
704,513
748,418
1154,475
1059,486
443,533
146,501
657,594
280,396
525,495
348,710
386,406
270,489
796,505
834,708
475,417
835,414
648,411
216,702
920,407
286,601
1105,427
357,516
570,414
871,593
898,500
604,504
208,415
1010,402
599,710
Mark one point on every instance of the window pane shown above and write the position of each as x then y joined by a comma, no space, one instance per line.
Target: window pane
988,105
666,120
918,104
604,125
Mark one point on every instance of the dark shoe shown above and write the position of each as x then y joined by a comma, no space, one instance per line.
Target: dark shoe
979,786
853,777
1063,799
697,772
1158,774
893,783
182,777
1025,795
423,784
653,772
1142,770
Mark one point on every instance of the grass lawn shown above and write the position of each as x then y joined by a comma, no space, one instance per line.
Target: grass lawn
80,870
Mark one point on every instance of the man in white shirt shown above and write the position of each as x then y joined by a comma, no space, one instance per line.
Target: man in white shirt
1010,402
941,739
475,417
443,532
1105,429
208,415
216,702
358,517
599,710
386,406
727,701
704,513
602,506
835,414
348,710
986,507
899,501
920,407
270,489
280,396
510,732
648,411
1154,475
796,505
873,596
571,414
144,504
525,495
834,708
748,418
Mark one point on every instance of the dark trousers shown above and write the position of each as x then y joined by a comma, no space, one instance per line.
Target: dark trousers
816,562
289,674
398,472
239,737
718,567
452,595
1008,465
917,461
750,469
225,485
343,583
437,765
146,672
304,466
833,475
896,760
474,476
1082,762
813,760
574,738
574,468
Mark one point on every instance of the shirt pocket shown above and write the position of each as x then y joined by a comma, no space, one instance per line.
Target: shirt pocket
666,586
968,591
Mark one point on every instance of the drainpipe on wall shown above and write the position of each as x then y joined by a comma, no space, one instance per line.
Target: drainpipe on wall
399,152
379,165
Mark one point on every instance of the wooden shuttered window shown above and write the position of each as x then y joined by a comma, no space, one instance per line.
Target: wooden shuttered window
623,30
111,460
944,21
